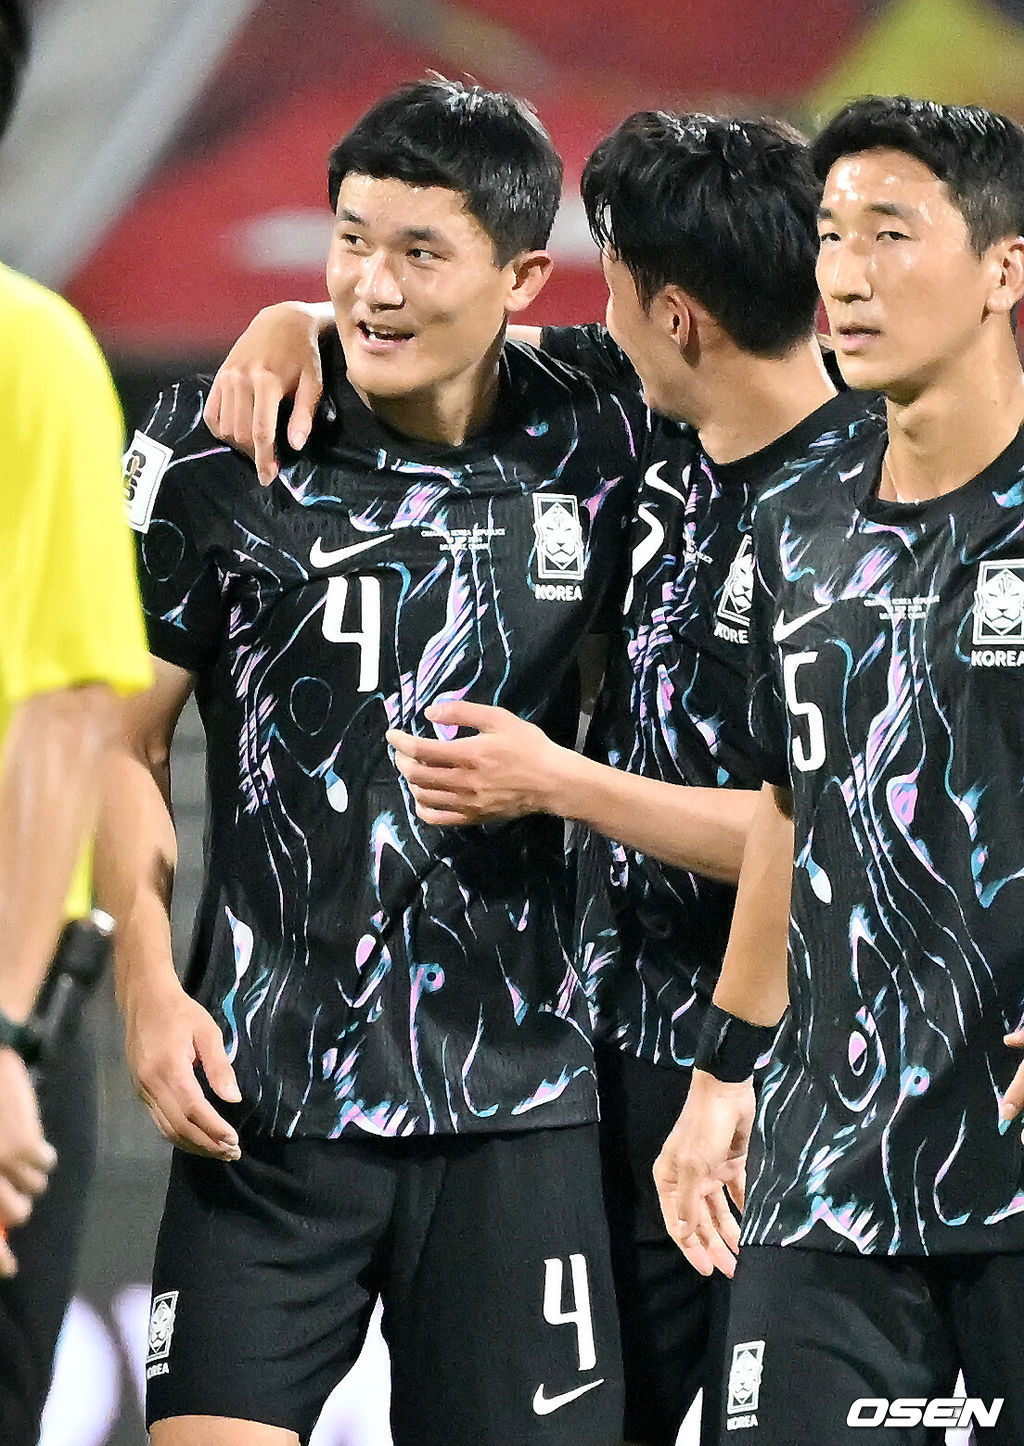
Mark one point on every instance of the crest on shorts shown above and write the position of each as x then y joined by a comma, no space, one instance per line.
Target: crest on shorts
739,587
745,1376
161,1325
999,602
556,525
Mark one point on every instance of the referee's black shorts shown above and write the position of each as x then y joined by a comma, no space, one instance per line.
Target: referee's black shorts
490,1254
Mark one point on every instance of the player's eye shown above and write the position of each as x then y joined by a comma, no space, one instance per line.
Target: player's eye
420,253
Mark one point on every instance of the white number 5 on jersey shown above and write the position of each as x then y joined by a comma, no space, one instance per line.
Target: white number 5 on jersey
809,752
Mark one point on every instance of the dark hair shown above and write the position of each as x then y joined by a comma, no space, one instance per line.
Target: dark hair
725,209
13,53
977,153
488,146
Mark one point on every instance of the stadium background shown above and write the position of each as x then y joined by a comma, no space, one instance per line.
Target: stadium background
166,170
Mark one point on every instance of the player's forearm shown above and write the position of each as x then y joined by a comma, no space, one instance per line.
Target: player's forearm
48,789
753,982
700,829
136,855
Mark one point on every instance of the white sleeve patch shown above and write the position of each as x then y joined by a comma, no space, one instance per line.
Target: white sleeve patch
145,462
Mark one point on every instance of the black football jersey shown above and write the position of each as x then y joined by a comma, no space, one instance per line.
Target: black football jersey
370,971
674,707
888,642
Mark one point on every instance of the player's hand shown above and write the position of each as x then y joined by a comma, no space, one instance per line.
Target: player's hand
508,768
167,1036
1013,1099
703,1162
26,1158
277,356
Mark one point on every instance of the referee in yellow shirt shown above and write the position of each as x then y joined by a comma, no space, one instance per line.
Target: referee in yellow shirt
71,639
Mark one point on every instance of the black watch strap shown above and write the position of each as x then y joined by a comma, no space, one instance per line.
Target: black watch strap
19,1037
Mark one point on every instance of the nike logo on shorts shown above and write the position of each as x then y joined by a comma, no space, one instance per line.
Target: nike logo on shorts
544,1405
785,629
319,558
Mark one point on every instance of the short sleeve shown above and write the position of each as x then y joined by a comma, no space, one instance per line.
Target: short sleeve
769,723
177,484
68,591
590,349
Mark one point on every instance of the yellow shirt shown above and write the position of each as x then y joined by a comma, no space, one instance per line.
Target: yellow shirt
69,605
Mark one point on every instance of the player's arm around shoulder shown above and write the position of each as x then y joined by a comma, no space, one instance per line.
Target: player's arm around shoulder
167,1033
276,358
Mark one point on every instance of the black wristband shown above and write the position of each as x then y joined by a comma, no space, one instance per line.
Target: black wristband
20,1037
729,1048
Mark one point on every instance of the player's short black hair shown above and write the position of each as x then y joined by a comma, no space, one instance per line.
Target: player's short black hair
724,208
487,145
977,153
13,54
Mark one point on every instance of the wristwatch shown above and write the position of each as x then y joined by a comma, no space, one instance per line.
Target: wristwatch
19,1037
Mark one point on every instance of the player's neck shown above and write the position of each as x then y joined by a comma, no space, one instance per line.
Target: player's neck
447,413
954,428
750,401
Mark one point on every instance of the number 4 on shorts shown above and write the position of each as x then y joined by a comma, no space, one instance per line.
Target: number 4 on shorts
579,1313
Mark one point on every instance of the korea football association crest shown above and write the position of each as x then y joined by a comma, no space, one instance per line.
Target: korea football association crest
744,1390
161,1329
999,603
739,586
556,525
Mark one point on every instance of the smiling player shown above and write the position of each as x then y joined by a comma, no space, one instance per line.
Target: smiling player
397,1045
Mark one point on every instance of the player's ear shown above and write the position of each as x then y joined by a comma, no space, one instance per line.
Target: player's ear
673,310
1008,274
529,273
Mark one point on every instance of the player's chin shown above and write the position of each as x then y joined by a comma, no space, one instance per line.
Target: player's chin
857,372
384,378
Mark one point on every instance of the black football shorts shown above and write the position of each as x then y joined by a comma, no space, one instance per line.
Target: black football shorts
864,1350
489,1252
672,1319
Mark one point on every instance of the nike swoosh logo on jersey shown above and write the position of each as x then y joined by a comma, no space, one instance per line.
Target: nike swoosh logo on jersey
544,1405
319,558
783,629
654,479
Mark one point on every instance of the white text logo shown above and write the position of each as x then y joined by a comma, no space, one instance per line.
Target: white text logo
953,1412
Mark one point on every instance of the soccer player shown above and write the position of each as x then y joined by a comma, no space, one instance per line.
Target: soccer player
71,637
396,1046
883,1236
693,214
